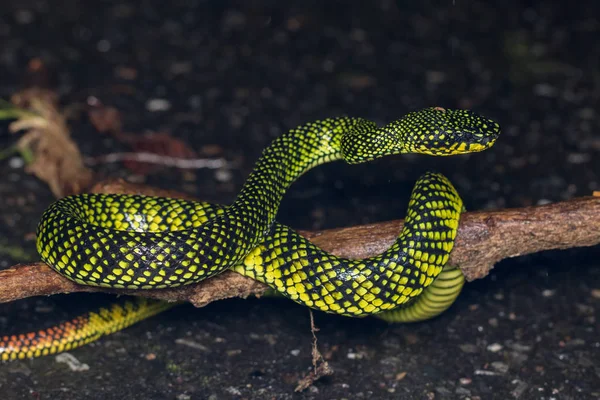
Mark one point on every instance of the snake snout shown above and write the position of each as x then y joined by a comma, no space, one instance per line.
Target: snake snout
471,132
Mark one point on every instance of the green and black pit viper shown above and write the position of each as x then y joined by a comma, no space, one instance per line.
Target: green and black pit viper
141,242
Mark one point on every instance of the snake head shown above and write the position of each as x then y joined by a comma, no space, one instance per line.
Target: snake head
434,131
443,132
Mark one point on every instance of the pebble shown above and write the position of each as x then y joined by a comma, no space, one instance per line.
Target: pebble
223,175
485,372
461,391
16,162
500,366
495,347
520,347
401,375
155,105
73,363
295,352
548,292
465,381
233,391
468,348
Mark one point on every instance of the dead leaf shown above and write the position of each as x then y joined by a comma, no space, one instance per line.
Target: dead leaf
55,159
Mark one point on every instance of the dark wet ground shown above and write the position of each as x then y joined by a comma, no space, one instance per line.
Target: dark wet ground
236,74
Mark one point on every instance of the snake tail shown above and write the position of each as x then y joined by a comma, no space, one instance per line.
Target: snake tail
436,299
81,330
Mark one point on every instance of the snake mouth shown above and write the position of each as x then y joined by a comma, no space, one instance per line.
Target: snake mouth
474,133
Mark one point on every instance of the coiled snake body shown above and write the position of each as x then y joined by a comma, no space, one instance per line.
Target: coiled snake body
140,242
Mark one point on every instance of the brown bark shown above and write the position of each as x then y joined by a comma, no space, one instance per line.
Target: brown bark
483,239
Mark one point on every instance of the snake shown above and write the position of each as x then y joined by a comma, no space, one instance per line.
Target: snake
145,242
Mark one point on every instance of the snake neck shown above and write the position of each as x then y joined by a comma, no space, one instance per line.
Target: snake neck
285,160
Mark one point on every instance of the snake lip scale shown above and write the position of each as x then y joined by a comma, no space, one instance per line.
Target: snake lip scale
144,242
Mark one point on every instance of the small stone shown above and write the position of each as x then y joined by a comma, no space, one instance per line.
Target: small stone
73,363
401,375
295,352
500,366
16,162
233,391
223,175
155,105
485,372
522,348
495,347
468,348
465,381
548,293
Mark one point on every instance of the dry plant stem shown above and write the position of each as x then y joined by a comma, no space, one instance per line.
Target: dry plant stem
321,367
57,160
483,239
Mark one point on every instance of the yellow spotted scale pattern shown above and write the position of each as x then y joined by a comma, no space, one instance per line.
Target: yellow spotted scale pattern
141,242
299,270
81,330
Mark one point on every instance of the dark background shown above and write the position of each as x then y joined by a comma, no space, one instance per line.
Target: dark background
236,74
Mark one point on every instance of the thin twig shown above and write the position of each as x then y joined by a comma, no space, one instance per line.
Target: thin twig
321,367
152,158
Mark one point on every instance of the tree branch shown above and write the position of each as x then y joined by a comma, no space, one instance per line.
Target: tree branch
484,238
